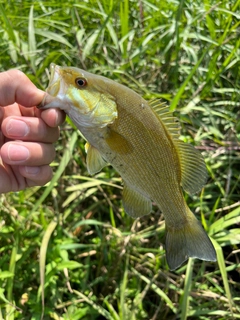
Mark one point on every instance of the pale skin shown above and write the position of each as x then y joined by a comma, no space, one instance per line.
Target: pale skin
27,134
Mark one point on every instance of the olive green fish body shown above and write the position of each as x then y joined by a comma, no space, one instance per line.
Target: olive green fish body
136,154
140,140
141,161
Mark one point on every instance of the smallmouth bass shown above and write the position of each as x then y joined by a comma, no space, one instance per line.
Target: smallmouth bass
140,140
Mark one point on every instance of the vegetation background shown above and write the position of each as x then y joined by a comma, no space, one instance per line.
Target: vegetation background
68,250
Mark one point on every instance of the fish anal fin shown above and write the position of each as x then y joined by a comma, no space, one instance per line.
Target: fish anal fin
187,241
135,204
193,168
117,142
170,122
94,160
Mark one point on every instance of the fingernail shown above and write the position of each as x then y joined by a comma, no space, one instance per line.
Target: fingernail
17,128
32,170
18,153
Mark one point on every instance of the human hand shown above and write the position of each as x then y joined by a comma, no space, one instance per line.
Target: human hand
27,133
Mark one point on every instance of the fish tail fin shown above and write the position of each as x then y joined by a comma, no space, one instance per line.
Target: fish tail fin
190,240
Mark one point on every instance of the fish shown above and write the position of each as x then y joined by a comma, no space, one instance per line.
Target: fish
140,139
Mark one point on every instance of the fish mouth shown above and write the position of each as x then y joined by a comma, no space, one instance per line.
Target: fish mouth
55,80
52,98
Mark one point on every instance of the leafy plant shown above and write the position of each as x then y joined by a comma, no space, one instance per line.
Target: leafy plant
68,250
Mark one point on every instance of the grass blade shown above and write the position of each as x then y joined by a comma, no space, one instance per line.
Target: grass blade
230,219
112,311
222,267
9,28
157,290
42,260
187,290
123,312
101,310
51,36
10,309
177,97
90,43
32,40
124,19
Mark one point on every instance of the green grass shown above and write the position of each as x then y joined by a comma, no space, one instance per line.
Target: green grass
68,250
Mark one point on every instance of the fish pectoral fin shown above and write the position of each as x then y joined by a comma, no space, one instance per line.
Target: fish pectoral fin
117,142
187,241
134,203
193,168
94,160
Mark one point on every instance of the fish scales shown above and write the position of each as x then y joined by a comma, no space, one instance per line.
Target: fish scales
143,129
145,153
140,140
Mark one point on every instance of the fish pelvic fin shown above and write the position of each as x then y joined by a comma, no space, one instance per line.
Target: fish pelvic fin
190,240
94,160
135,204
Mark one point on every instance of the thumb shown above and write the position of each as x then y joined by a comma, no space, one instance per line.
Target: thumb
15,86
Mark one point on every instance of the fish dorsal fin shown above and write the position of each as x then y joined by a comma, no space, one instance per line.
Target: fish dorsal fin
95,162
134,203
169,121
193,167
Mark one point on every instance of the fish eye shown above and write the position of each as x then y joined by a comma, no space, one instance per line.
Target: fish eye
81,82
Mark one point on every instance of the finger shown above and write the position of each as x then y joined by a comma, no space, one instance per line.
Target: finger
36,176
8,180
17,178
11,110
27,153
29,129
53,117
16,87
